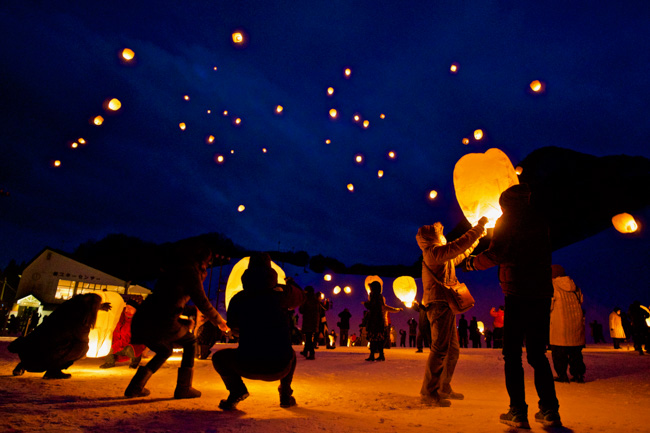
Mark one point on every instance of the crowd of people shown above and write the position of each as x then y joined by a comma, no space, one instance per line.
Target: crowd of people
542,310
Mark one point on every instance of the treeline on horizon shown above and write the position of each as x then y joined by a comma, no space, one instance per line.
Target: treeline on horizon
139,262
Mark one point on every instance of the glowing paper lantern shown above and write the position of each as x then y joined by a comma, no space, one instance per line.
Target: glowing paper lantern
336,290
234,284
238,37
279,109
392,155
218,159
347,289
405,290
519,170
380,173
74,145
98,120
465,141
113,104
333,113
237,121
357,117
536,86
358,159
241,208
101,336
366,123
382,116
625,223
81,140
347,72
453,68
330,91
128,54
182,126
433,194
370,279
327,277
479,180
225,112
478,134
328,141
210,139
56,163
350,187
481,326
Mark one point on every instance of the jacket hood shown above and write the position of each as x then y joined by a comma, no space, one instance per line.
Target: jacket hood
430,235
260,275
565,284
515,197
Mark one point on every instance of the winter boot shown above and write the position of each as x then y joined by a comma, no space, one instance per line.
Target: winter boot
286,398
110,362
136,386
235,397
548,417
19,370
56,373
516,417
135,362
184,384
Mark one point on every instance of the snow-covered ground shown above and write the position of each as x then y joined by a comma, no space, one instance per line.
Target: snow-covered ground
338,392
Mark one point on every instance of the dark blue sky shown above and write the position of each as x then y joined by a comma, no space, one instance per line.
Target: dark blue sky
139,174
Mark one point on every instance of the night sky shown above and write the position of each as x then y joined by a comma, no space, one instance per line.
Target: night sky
141,175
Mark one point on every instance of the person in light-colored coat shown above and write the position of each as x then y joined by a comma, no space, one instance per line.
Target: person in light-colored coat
616,327
567,329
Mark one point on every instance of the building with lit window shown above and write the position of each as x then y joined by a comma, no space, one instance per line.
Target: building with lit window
52,277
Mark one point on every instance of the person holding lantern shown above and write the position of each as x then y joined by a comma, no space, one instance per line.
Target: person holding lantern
259,315
377,326
158,323
121,345
439,259
521,247
61,339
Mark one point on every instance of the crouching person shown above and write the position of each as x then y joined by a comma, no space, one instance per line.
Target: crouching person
158,323
259,315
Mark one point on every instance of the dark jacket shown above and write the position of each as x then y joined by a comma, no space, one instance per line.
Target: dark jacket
310,313
520,246
345,316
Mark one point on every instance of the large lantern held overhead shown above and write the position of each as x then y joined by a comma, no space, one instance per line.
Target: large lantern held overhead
370,279
101,336
234,284
405,290
625,223
479,180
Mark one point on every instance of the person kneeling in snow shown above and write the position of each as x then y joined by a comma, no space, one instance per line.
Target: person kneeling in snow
122,347
259,314
61,339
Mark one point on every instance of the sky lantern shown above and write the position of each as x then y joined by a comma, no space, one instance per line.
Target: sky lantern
481,326
479,180
101,336
519,170
537,86
209,111
182,125
225,112
333,113
327,277
264,150
279,109
214,69
209,139
328,141
433,194
478,134
237,121
239,38
218,159
453,68
370,279
382,116
81,140
405,290
465,141
241,208
337,290
380,173
127,54
74,145
357,118
347,72
350,187
234,284
347,289
625,223
330,91
186,97
392,155
98,120
113,104
366,123
56,163
358,159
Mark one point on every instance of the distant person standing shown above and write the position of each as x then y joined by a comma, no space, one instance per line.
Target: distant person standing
462,331
616,328
377,326
638,317
597,332
567,331
498,326
402,338
344,326
310,322
413,331
474,333
521,248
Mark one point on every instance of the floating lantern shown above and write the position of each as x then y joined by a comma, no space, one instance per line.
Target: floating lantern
350,187
279,109
380,173
264,150
366,123
98,120
536,86
356,117
127,54
237,121
382,116
347,72
453,68
238,37
478,134
182,126
218,159
347,289
433,194
328,141
186,97
241,208
479,180
234,284
74,145
391,155
465,141
81,140
113,104
336,290
327,277
370,279
647,321
330,91
210,139
214,69
481,326
519,170
101,336
225,112
333,113
405,290
209,111
358,159
625,223
56,163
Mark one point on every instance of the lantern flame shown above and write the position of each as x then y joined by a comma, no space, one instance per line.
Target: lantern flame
625,223
405,290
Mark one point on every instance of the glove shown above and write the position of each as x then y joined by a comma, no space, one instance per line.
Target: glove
482,221
469,264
